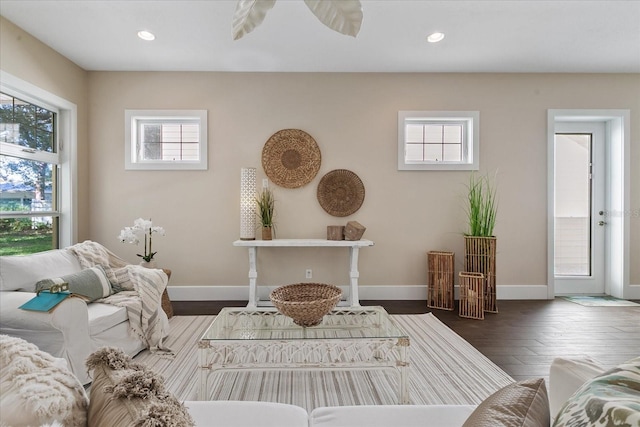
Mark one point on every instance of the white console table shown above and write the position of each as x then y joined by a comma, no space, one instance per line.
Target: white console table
353,245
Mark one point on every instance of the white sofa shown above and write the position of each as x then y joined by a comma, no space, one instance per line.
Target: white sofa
125,392
569,380
266,414
74,329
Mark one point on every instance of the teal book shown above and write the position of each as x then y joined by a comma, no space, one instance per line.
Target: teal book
45,301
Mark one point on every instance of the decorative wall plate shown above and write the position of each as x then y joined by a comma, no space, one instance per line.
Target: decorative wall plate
291,158
340,192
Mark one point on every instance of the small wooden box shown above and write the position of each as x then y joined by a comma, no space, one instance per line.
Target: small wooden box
471,295
335,232
354,230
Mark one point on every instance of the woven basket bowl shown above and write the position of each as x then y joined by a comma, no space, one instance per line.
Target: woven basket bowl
306,303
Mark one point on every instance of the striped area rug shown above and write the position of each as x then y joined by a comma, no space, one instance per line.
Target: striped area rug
445,369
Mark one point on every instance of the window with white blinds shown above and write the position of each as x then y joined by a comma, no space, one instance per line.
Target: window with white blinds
432,140
166,139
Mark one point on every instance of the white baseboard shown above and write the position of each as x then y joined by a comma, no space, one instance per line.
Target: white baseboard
241,293
633,292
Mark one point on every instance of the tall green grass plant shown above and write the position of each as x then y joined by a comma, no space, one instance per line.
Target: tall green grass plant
266,207
482,206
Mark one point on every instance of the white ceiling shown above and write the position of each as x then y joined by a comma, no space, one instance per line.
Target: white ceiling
481,36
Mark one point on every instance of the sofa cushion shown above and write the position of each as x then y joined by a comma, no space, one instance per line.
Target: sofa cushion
567,375
104,316
37,388
390,415
524,403
246,414
91,283
610,399
124,393
21,272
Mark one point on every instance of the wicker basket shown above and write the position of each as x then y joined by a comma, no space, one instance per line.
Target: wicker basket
472,295
480,257
440,280
306,303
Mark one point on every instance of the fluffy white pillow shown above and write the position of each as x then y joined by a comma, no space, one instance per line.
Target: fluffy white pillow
37,388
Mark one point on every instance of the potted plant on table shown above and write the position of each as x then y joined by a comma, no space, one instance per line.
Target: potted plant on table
480,243
266,203
142,230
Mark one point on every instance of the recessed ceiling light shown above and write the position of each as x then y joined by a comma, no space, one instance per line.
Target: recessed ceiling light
435,37
146,35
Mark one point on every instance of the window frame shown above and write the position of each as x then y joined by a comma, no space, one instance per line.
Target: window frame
66,182
470,145
134,117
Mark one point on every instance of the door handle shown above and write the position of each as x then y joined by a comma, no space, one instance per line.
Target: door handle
601,223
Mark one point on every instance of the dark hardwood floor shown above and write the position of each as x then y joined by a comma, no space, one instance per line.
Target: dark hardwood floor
525,336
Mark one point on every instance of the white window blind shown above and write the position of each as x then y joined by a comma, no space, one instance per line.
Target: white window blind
431,140
166,139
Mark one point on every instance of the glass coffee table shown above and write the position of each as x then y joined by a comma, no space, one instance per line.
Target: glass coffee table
263,339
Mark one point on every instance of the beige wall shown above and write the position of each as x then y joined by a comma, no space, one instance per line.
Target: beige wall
353,119
28,59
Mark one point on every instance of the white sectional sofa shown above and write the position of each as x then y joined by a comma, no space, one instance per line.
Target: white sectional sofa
266,414
74,329
28,376
613,398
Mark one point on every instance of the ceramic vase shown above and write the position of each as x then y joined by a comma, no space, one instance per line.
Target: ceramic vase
267,233
150,264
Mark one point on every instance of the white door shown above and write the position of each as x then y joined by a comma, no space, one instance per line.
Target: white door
579,208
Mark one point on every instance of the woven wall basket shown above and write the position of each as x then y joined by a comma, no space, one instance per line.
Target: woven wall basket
291,158
340,192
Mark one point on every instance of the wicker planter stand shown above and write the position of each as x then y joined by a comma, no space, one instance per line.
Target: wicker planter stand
440,280
480,257
472,295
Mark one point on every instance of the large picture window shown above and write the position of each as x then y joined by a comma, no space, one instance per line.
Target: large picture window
38,191
29,163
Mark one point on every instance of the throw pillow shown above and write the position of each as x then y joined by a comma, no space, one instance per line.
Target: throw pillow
566,376
523,404
125,394
21,272
37,388
91,283
610,399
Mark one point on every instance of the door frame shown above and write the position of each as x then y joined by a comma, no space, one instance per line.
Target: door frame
593,283
617,196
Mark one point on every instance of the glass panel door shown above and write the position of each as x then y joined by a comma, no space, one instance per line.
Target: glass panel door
579,226
572,217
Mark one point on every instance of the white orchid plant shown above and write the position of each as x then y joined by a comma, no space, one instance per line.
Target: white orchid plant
142,230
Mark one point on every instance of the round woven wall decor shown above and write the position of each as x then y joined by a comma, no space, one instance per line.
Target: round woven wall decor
340,192
291,158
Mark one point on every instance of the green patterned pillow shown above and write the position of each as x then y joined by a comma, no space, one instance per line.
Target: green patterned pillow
91,283
610,399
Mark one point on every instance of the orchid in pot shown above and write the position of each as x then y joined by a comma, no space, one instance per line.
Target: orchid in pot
142,230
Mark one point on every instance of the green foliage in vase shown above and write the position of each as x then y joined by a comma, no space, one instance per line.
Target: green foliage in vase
482,207
266,207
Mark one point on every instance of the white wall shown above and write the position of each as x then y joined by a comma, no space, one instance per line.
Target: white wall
353,119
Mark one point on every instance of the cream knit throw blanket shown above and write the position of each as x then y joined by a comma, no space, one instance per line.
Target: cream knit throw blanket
141,293
37,389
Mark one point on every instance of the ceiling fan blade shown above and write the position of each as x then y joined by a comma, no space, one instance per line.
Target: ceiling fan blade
343,16
248,15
